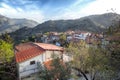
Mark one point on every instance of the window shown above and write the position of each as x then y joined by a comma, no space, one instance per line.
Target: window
32,62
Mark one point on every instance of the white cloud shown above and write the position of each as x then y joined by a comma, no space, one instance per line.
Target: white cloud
5,9
101,6
11,12
78,2
68,14
71,12
95,7
19,9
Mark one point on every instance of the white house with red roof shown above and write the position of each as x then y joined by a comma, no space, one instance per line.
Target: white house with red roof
28,55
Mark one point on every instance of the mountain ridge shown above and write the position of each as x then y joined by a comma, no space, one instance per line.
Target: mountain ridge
98,22
12,24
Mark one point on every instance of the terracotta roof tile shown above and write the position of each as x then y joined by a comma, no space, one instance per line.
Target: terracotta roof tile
24,46
27,54
49,46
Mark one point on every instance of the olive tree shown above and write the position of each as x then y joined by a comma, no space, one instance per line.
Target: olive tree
90,60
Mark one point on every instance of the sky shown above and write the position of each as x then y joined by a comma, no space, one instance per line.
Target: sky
43,10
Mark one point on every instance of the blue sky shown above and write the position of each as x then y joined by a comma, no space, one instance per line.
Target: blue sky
43,10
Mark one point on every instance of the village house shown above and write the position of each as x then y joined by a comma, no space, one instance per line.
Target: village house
30,55
54,36
81,35
77,36
69,32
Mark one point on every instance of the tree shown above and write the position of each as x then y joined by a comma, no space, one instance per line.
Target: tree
7,62
7,38
91,59
79,53
57,70
114,47
6,51
63,40
47,33
98,64
31,38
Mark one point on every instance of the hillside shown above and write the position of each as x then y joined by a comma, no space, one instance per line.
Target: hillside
95,23
10,25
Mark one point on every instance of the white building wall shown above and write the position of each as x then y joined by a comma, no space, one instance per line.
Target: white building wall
49,54
58,53
25,69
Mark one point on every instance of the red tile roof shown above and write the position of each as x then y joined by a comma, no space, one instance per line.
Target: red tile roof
27,54
29,50
24,46
49,46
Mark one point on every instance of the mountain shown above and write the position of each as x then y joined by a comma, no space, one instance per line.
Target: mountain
95,23
92,23
64,25
105,20
10,25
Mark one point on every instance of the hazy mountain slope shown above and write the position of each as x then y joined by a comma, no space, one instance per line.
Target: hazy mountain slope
10,25
104,20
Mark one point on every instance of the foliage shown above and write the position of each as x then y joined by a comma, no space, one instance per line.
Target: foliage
58,70
79,54
7,63
63,40
63,37
98,64
31,38
6,51
7,38
114,47
92,59
47,33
